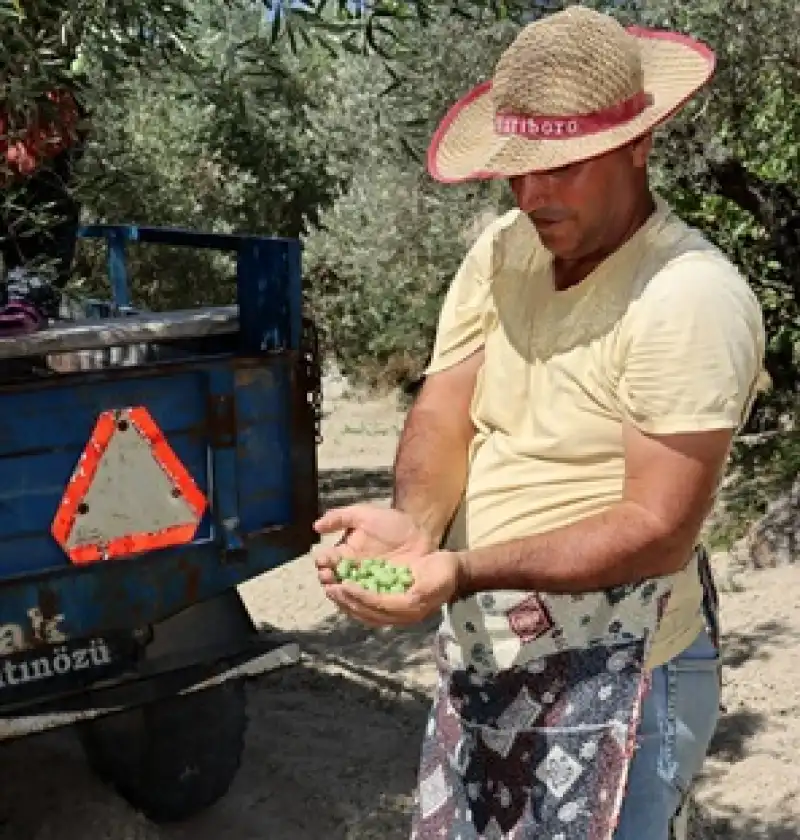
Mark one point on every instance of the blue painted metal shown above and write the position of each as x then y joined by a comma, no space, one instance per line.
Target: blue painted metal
117,268
225,498
264,443
295,291
126,594
268,273
43,432
263,325
180,237
230,419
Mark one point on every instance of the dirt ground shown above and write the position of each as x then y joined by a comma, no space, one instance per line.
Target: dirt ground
332,745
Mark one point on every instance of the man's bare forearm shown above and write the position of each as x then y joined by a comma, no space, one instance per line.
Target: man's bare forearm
430,470
624,544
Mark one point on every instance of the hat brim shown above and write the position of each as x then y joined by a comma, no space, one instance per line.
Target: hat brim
466,147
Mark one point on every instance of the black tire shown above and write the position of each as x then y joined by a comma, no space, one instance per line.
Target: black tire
174,758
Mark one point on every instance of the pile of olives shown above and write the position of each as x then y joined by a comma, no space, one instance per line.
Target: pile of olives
376,575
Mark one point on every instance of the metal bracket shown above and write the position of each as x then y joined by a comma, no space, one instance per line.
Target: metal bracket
222,420
222,438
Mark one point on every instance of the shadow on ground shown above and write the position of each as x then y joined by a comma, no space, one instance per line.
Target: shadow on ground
737,728
390,651
345,486
730,745
328,756
739,648
705,826
734,731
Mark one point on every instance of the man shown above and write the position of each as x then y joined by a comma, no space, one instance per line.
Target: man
593,360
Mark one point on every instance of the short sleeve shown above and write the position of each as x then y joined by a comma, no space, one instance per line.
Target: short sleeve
693,349
460,330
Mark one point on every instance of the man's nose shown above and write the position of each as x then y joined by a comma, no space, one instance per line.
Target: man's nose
532,191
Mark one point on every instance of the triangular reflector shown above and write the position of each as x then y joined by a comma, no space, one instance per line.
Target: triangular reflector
129,494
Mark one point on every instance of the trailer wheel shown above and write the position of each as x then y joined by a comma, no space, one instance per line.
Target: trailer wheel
175,757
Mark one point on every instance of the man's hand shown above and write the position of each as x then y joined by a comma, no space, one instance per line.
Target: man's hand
435,584
392,535
370,531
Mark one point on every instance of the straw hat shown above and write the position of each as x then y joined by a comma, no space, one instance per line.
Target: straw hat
573,85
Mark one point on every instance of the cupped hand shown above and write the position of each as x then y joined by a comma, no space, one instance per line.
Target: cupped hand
369,531
436,579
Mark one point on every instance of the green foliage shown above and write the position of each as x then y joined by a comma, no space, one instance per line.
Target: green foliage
762,468
84,46
731,165
222,143
379,268
386,251
379,27
196,120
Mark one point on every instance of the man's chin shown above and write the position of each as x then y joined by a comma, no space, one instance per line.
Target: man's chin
559,245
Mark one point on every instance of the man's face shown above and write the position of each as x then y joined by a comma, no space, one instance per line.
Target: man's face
578,210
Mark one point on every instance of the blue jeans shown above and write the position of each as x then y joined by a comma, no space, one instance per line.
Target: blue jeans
679,717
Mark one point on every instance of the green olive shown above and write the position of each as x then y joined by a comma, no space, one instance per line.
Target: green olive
376,575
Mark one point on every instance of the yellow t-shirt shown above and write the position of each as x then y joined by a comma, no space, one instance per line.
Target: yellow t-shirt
665,333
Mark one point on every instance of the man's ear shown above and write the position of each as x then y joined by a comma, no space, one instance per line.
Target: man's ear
641,148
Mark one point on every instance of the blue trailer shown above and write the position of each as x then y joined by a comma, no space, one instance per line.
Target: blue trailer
136,497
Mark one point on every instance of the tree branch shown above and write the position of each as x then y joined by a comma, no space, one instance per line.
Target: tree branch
773,205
